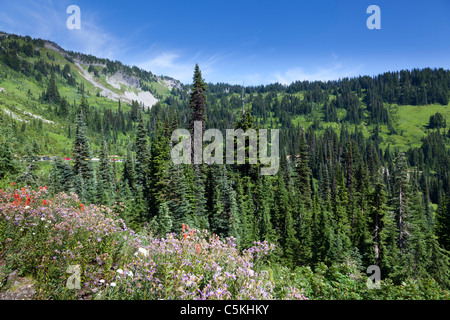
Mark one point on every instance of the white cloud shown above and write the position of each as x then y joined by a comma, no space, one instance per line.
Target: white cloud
47,20
334,72
179,65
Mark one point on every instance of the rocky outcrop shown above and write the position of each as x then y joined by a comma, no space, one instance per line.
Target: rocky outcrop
18,288
119,78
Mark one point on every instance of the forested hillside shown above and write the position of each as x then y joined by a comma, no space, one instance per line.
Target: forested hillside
364,176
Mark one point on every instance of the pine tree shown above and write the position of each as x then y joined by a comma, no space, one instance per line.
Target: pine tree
164,219
246,207
104,180
158,166
401,201
84,106
129,175
377,211
63,110
52,93
197,104
177,198
79,187
8,164
142,182
225,215
443,222
196,186
82,160
340,216
263,204
283,221
323,237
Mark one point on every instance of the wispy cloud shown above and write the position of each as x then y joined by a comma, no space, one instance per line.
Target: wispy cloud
47,20
336,71
178,64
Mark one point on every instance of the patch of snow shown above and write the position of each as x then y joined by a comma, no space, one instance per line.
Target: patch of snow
38,117
14,116
144,96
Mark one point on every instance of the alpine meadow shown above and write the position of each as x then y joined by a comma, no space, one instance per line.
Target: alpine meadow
93,205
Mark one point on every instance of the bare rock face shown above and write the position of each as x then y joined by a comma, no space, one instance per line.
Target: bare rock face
18,288
119,78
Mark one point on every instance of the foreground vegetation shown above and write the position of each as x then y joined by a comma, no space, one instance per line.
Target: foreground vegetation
42,236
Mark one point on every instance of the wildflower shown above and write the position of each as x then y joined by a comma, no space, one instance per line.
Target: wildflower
183,227
44,202
102,281
198,248
130,273
13,183
185,236
119,271
143,251
113,284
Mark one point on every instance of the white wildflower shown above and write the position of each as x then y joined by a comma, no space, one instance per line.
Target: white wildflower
143,251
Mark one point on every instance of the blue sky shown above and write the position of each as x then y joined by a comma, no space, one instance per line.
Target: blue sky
250,42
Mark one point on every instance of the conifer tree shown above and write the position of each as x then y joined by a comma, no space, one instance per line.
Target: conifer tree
104,177
197,102
82,160
52,93
377,211
142,183
249,227
8,164
177,198
283,221
164,219
197,105
129,175
443,222
63,110
158,166
401,201
263,204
